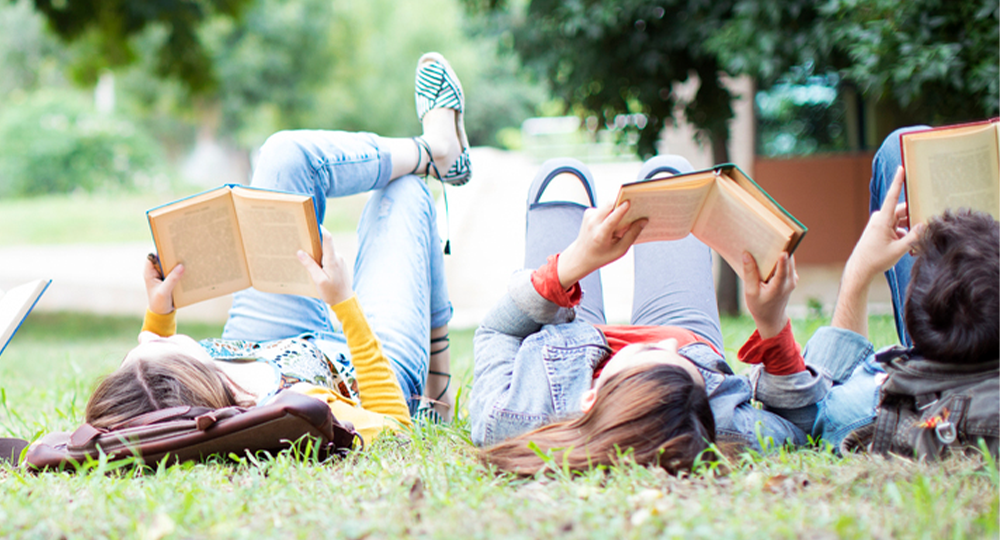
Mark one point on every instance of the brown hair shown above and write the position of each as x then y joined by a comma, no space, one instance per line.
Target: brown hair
143,386
952,308
653,414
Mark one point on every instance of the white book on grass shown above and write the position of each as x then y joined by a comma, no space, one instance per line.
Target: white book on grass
15,305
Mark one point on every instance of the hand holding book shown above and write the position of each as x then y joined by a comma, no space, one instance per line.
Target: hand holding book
333,278
723,207
604,237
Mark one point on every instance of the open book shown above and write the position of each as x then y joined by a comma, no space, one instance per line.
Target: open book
952,167
723,207
15,305
236,237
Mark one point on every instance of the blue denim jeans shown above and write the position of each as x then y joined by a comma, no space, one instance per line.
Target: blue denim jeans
399,270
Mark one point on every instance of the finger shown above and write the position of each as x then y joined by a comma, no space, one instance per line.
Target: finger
311,266
614,218
911,238
892,196
633,231
149,271
329,252
173,277
795,274
781,272
751,278
601,212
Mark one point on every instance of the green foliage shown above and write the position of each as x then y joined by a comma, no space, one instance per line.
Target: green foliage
623,57
270,65
29,56
55,142
937,60
801,114
108,26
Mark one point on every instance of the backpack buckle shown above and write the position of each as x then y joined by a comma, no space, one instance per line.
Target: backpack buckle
946,432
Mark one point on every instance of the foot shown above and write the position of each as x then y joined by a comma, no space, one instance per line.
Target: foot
444,146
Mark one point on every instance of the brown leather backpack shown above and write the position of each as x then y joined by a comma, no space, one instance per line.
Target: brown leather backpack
193,433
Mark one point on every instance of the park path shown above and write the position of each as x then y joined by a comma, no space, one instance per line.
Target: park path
487,239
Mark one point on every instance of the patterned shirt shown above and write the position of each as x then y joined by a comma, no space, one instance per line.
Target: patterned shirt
294,360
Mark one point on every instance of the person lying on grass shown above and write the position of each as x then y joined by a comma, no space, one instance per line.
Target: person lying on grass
394,320
553,380
950,315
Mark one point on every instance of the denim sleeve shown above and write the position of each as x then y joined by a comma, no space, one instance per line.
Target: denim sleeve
831,356
836,352
519,314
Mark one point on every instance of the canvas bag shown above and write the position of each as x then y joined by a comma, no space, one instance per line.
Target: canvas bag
928,409
194,433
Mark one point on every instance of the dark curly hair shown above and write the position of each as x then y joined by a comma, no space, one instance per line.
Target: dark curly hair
952,308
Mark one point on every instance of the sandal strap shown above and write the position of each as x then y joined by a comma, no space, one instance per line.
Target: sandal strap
447,384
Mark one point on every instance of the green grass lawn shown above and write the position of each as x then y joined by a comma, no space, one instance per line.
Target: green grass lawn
114,218
430,485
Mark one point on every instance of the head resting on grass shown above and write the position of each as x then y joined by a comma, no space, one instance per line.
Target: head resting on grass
952,308
143,385
651,415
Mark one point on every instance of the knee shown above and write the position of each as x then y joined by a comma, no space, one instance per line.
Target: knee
280,153
411,190
889,150
665,163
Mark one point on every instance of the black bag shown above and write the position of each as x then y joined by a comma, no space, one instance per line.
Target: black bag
928,409
194,433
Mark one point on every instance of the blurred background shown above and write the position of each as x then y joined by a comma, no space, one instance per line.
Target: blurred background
110,107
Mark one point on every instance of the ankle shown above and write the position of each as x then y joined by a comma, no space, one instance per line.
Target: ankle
440,134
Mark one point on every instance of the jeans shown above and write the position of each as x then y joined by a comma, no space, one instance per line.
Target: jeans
399,270
673,283
887,160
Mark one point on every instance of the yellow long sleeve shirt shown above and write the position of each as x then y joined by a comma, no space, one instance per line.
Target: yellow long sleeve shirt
383,405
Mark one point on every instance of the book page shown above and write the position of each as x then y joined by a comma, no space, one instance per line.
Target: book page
952,170
15,305
671,207
274,229
732,222
202,234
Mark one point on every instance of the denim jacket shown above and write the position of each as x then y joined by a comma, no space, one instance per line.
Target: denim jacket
534,361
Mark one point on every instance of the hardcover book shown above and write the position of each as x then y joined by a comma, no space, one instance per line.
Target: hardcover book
723,207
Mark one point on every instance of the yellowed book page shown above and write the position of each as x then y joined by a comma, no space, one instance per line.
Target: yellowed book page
732,222
201,233
952,170
671,207
274,227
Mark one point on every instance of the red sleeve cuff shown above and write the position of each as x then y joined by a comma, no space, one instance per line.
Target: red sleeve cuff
546,283
780,354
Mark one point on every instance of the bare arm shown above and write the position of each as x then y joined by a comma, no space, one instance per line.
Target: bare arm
884,241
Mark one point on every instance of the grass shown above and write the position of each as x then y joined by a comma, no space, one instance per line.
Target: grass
430,485
115,218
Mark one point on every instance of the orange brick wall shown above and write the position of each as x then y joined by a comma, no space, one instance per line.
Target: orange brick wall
828,193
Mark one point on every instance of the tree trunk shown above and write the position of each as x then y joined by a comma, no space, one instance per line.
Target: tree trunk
727,290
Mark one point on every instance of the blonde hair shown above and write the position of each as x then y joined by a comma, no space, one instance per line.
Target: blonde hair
142,385
654,415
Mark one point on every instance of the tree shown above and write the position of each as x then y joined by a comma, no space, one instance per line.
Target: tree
110,24
611,57
926,61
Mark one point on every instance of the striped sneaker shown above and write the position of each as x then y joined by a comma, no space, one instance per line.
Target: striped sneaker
438,87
